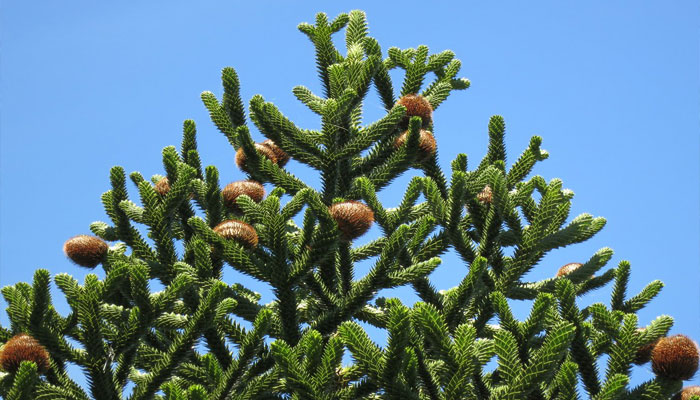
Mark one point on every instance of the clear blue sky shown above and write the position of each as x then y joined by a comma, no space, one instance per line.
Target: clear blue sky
612,87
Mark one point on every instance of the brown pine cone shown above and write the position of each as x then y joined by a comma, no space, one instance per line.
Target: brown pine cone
238,231
250,188
353,217
416,106
23,347
675,357
85,250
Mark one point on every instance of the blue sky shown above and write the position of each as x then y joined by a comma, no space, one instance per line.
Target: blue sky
612,87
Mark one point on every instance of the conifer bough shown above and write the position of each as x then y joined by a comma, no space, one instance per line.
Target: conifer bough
202,337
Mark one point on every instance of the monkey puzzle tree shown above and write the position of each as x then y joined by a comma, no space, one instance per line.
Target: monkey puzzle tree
188,340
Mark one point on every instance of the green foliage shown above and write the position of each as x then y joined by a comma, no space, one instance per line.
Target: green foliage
190,341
